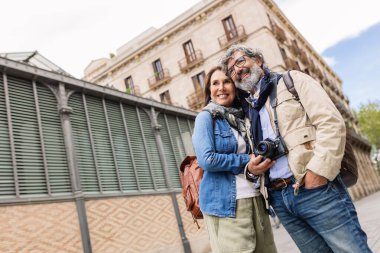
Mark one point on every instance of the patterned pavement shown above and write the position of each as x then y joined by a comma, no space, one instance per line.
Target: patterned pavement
368,210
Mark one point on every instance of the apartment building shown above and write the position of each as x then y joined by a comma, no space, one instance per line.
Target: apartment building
168,64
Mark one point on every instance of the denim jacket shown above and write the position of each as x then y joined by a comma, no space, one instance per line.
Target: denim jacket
215,148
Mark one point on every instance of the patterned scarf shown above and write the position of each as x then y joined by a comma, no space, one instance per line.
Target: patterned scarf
234,116
257,101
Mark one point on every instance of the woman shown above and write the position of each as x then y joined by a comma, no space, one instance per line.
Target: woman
232,206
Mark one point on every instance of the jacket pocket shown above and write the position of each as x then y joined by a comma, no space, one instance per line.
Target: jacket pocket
287,107
300,143
224,141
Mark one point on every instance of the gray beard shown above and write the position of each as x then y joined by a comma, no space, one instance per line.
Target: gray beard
250,82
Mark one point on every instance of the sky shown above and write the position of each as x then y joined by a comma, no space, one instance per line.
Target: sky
72,33
347,35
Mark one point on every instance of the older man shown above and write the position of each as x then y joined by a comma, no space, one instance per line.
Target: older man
307,141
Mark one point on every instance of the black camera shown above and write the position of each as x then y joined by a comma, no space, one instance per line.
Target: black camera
271,148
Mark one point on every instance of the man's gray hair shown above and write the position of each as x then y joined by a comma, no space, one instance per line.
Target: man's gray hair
252,53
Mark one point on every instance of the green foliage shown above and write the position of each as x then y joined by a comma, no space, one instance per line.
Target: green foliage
128,90
369,121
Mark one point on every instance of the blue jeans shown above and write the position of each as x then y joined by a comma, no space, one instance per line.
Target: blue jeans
321,219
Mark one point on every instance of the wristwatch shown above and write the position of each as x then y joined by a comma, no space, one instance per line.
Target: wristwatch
250,176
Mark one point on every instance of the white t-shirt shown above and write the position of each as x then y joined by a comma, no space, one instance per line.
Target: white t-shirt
244,188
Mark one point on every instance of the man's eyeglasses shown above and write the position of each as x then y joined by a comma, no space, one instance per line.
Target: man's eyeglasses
238,63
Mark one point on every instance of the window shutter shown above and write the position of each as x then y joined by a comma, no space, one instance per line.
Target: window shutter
186,125
174,152
122,146
30,167
59,175
152,151
7,185
191,125
83,148
102,145
137,146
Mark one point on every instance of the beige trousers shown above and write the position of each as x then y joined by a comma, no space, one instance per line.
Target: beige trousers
249,232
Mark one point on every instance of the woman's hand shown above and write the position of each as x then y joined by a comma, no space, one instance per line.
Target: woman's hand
257,166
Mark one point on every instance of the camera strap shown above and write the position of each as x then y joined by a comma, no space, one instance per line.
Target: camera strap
273,103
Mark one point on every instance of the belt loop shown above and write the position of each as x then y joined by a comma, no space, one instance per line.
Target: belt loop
286,184
296,188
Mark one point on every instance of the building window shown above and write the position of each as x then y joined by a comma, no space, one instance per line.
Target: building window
298,66
165,97
158,70
283,53
129,86
199,81
189,51
229,27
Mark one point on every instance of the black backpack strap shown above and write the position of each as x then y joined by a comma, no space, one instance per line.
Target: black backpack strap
273,103
288,80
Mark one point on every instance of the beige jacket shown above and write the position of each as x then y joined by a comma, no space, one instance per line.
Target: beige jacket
313,129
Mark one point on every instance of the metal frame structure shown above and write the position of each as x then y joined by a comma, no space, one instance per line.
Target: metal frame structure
63,87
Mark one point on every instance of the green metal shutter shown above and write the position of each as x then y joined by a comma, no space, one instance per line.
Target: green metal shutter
154,157
30,167
7,185
83,149
121,143
59,175
191,125
137,145
174,152
102,145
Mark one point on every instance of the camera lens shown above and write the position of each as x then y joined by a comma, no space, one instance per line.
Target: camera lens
262,148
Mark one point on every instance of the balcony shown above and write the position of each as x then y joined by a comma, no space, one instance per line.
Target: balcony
344,110
235,36
196,99
159,79
293,47
191,61
346,99
291,64
327,81
311,67
278,33
319,73
303,57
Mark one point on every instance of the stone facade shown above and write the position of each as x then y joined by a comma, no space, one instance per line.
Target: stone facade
212,26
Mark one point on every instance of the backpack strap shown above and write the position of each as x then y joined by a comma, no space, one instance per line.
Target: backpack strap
288,80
